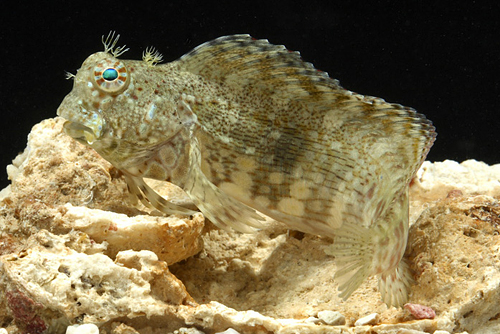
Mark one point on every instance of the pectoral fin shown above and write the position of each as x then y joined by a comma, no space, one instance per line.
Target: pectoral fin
151,198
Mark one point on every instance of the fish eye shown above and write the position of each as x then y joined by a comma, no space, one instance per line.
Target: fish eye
111,76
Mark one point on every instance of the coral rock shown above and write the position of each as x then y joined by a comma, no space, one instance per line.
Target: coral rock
75,250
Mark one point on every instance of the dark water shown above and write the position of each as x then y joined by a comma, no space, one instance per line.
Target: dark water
440,59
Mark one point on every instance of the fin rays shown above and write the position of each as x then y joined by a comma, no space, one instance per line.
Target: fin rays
152,199
353,255
395,286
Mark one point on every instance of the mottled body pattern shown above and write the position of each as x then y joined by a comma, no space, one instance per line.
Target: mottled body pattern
246,127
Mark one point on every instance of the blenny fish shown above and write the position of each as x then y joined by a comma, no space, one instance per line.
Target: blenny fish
248,130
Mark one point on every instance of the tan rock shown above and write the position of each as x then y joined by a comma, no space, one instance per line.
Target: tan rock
83,329
332,318
89,287
173,239
75,249
454,249
60,185
369,319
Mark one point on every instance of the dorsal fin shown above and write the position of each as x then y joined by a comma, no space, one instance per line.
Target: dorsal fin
257,63
245,64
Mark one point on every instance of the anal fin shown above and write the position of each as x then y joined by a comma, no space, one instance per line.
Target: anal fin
353,251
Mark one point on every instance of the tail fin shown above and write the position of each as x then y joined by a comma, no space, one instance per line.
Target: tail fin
394,285
357,252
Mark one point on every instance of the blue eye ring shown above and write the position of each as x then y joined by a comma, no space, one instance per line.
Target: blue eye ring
111,76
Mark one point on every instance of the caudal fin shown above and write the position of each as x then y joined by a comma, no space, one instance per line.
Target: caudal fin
357,250
394,285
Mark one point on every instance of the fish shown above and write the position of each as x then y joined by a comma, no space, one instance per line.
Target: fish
249,130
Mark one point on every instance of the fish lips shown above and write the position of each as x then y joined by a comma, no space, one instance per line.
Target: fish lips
80,132
85,126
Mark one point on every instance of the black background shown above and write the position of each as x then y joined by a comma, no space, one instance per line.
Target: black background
442,58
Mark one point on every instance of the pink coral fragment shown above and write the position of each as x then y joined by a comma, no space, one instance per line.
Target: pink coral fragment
420,311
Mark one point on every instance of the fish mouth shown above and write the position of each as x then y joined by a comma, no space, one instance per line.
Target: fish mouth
80,132
84,124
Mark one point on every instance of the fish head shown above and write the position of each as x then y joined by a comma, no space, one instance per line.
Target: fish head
116,108
88,107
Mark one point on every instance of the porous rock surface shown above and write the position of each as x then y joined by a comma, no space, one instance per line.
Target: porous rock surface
77,255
